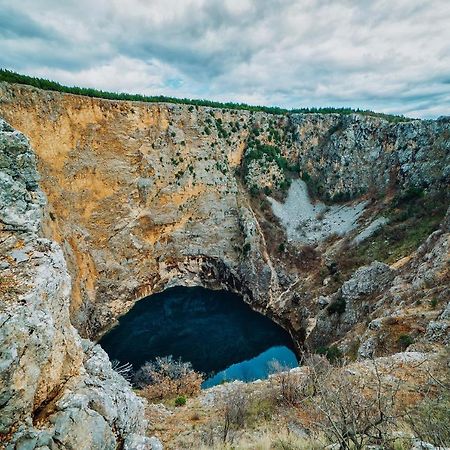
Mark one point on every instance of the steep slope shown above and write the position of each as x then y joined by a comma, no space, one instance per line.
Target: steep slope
56,390
145,196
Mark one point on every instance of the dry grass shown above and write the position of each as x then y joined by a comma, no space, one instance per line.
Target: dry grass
270,440
271,422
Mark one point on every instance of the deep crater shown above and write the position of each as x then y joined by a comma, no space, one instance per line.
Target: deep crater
214,330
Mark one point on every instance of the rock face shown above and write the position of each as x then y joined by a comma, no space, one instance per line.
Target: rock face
349,155
56,391
145,196
345,307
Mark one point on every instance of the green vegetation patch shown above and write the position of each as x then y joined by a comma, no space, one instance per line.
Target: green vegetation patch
333,354
413,216
180,400
404,341
257,151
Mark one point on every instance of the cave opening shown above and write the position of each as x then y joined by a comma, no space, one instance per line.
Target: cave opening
216,331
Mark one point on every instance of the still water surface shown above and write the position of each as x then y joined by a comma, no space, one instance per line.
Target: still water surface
215,330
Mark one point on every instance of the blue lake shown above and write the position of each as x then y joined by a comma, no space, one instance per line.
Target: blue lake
215,330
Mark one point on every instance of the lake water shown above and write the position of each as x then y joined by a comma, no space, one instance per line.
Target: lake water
215,330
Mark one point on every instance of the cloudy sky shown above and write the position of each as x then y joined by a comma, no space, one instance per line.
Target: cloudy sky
386,55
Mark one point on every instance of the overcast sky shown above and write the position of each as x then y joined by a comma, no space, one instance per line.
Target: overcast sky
386,55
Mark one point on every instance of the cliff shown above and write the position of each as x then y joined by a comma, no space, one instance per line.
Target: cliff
281,209
55,388
142,196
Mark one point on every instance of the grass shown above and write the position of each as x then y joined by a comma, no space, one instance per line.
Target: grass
395,242
270,440
41,83
413,216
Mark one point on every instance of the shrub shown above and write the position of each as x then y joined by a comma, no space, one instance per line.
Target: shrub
354,411
234,409
409,195
166,377
337,307
434,302
332,353
288,388
180,400
254,191
404,341
430,419
306,177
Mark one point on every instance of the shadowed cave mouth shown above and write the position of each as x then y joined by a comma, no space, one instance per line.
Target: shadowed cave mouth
219,334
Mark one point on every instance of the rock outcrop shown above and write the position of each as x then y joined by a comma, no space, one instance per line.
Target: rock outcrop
143,196
56,391
350,155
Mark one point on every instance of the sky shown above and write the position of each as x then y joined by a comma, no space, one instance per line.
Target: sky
390,56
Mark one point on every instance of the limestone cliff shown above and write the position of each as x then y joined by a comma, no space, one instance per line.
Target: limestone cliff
56,390
144,196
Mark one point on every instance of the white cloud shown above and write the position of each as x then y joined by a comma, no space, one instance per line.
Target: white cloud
376,54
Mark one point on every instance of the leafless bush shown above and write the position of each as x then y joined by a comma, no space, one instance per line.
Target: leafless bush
166,377
430,419
353,409
287,385
234,408
126,369
319,368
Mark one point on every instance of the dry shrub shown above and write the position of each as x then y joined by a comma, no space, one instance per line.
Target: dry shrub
354,410
166,377
287,386
234,406
309,257
430,418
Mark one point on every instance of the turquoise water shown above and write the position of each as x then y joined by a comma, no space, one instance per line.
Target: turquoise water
258,367
215,330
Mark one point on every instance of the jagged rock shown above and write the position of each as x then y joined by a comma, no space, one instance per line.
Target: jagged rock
149,200
135,442
346,306
20,200
417,444
438,331
323,301
367,348
445,315
55,391
367,280
370,230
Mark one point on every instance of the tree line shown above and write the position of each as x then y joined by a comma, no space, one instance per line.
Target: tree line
42,83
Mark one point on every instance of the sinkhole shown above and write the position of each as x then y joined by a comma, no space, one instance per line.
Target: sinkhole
216,331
